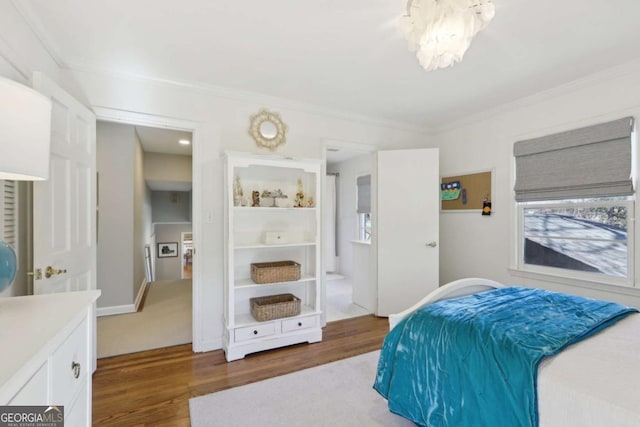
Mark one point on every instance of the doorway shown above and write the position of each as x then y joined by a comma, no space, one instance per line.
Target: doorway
346,252
158,216
186,245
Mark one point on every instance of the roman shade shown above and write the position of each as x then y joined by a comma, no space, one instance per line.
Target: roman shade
593,161
364,194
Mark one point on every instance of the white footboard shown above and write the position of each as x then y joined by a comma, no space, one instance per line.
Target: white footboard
453,289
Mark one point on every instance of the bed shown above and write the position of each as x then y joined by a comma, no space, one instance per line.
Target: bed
590,382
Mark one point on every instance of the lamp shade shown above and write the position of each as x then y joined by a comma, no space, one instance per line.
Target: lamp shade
25,132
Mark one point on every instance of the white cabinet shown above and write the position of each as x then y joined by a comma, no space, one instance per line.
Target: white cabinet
271,230
49,352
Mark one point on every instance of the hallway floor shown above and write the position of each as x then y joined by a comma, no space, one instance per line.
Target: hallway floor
339,299
165,320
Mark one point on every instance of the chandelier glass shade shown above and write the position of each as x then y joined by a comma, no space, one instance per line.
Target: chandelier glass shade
440,31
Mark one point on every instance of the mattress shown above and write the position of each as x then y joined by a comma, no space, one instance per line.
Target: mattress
594,382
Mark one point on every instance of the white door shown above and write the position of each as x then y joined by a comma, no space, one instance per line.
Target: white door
406,221
64,206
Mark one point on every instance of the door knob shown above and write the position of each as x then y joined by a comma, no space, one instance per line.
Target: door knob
432,244
50,271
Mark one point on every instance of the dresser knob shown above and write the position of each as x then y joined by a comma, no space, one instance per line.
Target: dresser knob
255,332
75,366
299,323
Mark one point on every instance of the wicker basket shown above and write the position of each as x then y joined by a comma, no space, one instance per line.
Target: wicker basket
274,306
271,272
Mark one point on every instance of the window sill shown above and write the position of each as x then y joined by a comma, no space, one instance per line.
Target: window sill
622,288
362,242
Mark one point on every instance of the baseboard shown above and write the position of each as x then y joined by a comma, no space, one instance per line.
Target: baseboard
207,345
140,295
115,309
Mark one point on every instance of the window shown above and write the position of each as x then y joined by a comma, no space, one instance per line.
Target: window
581,238
364,227
363,184
576,204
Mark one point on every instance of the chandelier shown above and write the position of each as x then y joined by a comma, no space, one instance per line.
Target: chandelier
440,31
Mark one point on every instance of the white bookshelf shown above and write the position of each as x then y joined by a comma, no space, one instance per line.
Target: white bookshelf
247,231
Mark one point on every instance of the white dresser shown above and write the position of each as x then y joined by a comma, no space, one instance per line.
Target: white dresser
48,352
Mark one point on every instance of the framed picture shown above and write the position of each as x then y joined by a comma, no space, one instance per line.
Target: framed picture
166,250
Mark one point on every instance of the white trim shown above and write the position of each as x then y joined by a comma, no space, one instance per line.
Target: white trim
140,295
36,27
116,309
576,283
11,56
252,97
209,345
130,117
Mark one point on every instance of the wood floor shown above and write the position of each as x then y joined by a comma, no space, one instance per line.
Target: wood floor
153,388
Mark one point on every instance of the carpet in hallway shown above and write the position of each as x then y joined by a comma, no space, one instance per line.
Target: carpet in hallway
164,321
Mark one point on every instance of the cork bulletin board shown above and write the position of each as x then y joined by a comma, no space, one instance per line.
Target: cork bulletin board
474,188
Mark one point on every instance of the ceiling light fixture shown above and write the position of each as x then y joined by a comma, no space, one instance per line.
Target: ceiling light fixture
440,31
184,142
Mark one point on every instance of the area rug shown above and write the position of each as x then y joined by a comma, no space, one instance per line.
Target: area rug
336,394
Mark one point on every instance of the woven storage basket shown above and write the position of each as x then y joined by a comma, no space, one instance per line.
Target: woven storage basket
274,306
271,272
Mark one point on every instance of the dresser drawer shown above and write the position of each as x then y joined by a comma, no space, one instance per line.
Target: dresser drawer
289,325
257,331
69,366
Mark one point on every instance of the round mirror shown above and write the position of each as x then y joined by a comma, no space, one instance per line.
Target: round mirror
267,129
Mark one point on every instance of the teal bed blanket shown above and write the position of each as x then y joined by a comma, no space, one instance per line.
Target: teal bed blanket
473,360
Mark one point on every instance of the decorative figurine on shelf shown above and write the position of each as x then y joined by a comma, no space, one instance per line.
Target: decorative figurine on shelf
299,203
275,194
255,198
237,192
310,202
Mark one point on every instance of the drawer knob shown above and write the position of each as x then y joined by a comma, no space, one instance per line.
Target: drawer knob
255,332
299,323
75,367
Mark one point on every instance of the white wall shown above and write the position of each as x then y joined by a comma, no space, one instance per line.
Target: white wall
472,245
221,123
170,268
347,215
172,168
21,52
171,206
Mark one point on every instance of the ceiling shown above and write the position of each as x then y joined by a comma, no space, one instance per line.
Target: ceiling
346,56
157,140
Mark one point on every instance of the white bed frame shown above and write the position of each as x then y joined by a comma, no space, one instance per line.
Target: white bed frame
458,288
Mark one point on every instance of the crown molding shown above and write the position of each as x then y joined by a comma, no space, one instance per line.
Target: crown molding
35,25
248,96
630,68
11,57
